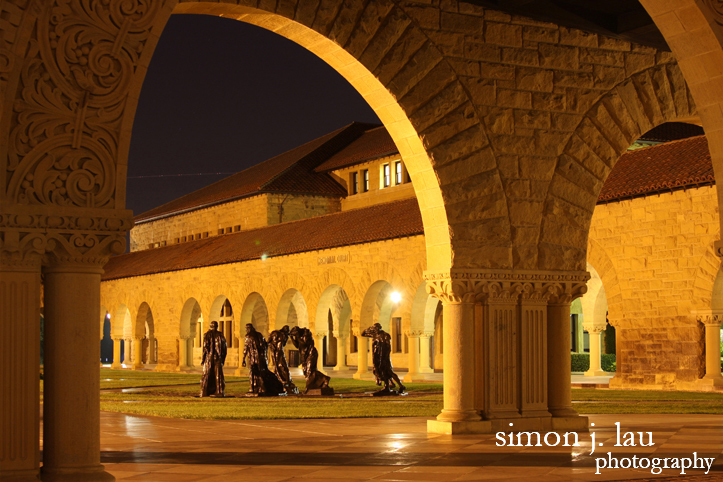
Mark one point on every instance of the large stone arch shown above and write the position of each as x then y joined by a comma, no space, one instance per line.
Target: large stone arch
633,107
694,31
292,310
599,259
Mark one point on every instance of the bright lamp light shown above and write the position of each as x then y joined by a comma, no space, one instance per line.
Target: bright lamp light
396,297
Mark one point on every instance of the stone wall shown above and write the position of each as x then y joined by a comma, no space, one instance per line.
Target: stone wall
376,194
655,257
240,215
400,262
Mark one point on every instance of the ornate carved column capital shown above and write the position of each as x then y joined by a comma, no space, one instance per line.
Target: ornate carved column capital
449,287
709,317
138,337
457,285
62,235
595,329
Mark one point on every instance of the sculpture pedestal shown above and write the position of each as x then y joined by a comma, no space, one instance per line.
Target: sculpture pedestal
320,392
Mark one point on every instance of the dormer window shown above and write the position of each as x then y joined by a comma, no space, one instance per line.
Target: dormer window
365,176
354,188
386,175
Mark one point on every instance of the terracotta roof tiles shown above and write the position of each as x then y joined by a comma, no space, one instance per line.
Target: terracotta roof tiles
290,172
668,166
373,144
365,225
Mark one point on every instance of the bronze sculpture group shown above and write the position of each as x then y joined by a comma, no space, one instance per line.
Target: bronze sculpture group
382,361
264,382
214,356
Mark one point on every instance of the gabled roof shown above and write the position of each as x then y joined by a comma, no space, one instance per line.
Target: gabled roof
664,167
373,144
375,223
290,172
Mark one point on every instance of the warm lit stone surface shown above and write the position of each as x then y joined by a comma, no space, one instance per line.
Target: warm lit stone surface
656,261
158,449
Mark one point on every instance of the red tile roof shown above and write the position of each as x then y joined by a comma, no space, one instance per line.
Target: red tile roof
373,144
382,221
668,166
290,172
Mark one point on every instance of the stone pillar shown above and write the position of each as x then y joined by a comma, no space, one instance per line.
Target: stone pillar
424,360
559,374
319,344
595,369
362,370
116,352
533,353
413,370
138,352
459,414
502,352
152,350
712,322
183,352
341,351
71,413
127,353
20,363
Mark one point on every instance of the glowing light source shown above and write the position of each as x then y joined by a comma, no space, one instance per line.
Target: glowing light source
263,257
396,297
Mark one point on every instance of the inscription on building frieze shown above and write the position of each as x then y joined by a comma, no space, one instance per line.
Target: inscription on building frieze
335,258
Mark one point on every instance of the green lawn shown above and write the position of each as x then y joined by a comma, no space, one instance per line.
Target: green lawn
176,395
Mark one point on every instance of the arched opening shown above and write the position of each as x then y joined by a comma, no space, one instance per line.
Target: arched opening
191,331
292,311
145,351
122,327
222,312
424,308
106,343
332,327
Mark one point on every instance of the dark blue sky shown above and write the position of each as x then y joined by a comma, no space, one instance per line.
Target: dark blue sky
221,96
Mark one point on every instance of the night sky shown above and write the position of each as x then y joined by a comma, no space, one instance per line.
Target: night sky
221,96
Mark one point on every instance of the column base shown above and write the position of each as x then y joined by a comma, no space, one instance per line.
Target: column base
76,474
20,476
576,423
712,383
427,370
137,367
457,428
595,373
116,366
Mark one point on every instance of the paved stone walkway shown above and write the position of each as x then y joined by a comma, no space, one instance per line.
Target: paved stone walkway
394,449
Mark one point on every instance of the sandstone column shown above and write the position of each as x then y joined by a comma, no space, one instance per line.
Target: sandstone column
413,370
183,352
458,362
595,369
362,357
71,414
319,344
424,359
20,363
116,352
341,338
152,350
712,322
138,352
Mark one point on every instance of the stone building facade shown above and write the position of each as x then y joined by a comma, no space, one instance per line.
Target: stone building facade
508,127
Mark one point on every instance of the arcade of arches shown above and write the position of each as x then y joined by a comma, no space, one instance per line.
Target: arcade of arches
508,128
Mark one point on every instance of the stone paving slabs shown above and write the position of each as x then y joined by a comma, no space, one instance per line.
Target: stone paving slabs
136,448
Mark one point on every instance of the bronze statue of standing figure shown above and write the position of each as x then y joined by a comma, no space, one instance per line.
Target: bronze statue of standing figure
316,382
277,341
382,360
261,381
214,356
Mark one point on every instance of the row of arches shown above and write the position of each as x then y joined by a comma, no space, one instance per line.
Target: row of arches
413,319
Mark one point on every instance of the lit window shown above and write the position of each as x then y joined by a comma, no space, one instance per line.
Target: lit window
354,182
365,175
398,172
386,176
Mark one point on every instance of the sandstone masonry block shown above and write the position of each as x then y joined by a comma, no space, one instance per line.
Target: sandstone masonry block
468,24
503,34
